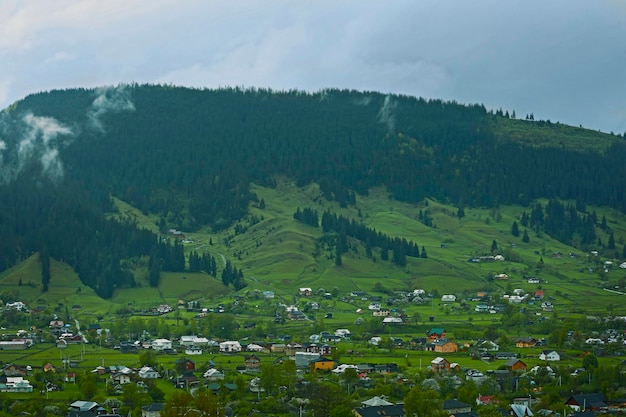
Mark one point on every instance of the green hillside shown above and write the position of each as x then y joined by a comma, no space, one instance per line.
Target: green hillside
278,253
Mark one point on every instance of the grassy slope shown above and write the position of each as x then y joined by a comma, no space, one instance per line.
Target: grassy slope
280,254
554,135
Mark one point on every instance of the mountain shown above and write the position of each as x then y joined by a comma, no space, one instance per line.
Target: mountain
193,159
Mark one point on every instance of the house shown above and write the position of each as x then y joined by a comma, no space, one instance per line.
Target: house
392,320
193,340
14,384
520,410
322,364
383,312
436,333
120,378
147,372
186,380
17,344
343,333
481,308
455,407
525,342
193,350
186,364
445,346
342,368
161,344
376,401
448,298
485,399
393,410
515,364
488,345
549,355
253,347
56,324
213,375
584,402
305,292
230,346
440,364
505,355
85,408
252,362
14,370
152,410
303,359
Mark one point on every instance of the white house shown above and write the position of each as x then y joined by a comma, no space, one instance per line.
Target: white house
343,333
342,368
147,372
213,375
230,346
161,344
16,384
392,320
448,298
374,306
193,341
253,347
375,340
549,355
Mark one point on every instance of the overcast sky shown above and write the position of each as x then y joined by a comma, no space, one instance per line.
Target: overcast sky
563,60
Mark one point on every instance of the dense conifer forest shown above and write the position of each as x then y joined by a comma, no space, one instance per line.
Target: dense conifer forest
190,156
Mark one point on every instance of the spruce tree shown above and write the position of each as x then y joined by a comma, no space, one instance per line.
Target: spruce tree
44,256
515,229
525,238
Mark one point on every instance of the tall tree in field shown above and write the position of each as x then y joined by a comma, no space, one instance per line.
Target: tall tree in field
154,265
44,257
515,229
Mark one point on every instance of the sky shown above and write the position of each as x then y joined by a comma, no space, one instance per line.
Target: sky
562,60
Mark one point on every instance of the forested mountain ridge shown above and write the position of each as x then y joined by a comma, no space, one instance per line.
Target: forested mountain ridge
190,155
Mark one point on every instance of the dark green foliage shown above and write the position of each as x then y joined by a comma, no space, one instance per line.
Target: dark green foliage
345,228
611,243
307,216
44,257
494,246
460,213
515,229
525,238
231,275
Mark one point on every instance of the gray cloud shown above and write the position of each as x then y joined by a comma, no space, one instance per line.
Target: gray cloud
562,60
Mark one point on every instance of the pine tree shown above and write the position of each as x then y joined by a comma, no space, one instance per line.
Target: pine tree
611,242
515,229
525,238
460,213
423,254
338,260
494,246
44,256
